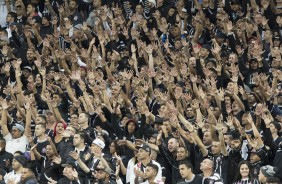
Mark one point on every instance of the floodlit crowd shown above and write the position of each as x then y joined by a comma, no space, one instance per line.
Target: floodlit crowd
141,91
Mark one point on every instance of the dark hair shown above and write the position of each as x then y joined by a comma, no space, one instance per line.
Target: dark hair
42,116
18,152
273,180
187,164
13,14
154,166
119,149
83,136
238,176
42,125
33,5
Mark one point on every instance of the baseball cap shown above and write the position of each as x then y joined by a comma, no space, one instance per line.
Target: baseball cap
106,169
99,143
268,170
47,112
19,127
28,68
145,147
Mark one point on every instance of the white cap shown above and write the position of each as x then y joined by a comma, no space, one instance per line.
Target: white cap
99,143
153,1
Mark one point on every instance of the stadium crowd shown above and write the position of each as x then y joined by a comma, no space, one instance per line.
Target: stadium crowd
140,91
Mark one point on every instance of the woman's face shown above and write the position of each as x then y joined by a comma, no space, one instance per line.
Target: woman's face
112,148
60,128
38,79
171,12
244,171
30,79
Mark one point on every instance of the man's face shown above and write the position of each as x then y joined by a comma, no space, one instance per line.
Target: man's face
150,173
77,140
251,98
258,19
67,169
44,21
15,165
207,139
203,52
49,151
57,98
254,158
142,154
101,175
139,9
29,55
39,120
227,139
190,112
181,154
184,171
29,9
175,31
50,117
206,164
9,18
72,5
74,119
172,145
19,10
232,58
253,65
96,3
236,143
82,118
16,133
26,173
115,91
215,149
39,130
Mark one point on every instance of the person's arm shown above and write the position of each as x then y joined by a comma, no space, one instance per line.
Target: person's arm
80,163
4,127
57,112
27,131
35,152
20,95
255,131
120,163
223,149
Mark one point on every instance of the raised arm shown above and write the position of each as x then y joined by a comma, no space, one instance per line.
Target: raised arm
4,126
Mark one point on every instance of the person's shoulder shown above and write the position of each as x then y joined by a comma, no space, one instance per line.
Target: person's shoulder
181,182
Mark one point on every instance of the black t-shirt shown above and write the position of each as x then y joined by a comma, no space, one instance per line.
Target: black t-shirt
221,165
49,169
196,180
6,159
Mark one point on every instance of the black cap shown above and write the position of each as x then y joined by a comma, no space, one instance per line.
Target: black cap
47,16
220,34
235,2
69,163
20,159
145,147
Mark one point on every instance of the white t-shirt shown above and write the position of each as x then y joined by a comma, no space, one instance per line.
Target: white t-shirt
13,145
12,175
130,172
